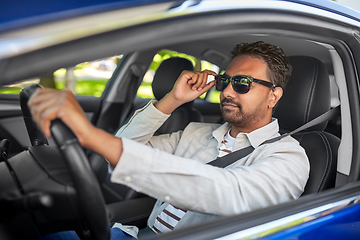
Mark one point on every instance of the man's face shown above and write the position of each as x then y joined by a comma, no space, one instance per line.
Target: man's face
251,110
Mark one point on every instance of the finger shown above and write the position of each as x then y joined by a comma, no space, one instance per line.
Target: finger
187,75
194,81
45,120
40,104
39,101
45,105
204,82
204,79
199,81
40,116
192,78
40,94
207,87
210,72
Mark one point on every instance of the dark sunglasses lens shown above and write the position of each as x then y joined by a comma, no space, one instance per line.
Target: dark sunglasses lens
240,88
221,82
241,84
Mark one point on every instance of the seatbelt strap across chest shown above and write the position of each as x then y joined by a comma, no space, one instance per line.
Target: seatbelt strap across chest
236,155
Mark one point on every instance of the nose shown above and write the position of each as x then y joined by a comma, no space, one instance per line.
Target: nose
229,92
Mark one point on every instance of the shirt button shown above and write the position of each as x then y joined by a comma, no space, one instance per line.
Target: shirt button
127,179
167,198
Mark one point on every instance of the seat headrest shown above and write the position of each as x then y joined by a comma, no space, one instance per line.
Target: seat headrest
306,96
167,74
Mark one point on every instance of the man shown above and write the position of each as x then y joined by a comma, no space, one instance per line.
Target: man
173,169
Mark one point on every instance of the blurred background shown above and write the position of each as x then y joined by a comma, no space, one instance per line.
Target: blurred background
355,4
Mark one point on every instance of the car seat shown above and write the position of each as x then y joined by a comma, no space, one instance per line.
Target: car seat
307,96
163,82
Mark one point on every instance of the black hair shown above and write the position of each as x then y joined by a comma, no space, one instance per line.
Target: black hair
278,64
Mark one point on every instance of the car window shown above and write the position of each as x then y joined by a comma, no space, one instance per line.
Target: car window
88,78
145,89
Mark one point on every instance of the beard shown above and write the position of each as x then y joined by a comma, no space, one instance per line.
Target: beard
238,117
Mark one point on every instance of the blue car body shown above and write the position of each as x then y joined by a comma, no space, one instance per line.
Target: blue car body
343,224
23,13
334,214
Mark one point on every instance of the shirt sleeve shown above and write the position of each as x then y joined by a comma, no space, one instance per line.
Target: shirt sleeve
275,175
142,126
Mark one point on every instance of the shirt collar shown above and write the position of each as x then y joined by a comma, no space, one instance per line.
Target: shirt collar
264,133
255,137
219,133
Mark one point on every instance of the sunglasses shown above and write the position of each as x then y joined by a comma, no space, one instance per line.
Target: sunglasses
241,84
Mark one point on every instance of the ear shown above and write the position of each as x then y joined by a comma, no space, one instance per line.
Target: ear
275,96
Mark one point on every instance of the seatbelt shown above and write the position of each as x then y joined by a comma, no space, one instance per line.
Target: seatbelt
236,155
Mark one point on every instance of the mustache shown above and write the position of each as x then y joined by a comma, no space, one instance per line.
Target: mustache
229,100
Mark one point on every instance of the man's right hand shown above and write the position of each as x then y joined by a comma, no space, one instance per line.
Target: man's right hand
48,104
188,87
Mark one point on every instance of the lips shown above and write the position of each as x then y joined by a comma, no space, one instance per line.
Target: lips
229,107
229,104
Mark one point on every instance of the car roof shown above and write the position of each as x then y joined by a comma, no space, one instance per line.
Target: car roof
16,14
22,13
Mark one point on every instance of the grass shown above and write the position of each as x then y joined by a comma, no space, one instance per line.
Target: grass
96,87
82,87
10,90
87,87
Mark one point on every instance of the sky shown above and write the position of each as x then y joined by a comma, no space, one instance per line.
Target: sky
355,4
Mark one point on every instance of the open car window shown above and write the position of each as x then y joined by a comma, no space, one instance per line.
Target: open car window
87,78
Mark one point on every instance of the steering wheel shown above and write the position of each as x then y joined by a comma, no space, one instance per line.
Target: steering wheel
91,202
36,137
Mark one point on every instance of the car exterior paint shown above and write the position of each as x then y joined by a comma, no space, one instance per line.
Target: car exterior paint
343,214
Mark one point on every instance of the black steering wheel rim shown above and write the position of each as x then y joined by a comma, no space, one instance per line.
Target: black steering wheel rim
36,136
91,201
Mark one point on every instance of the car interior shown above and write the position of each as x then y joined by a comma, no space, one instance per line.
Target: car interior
317,84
